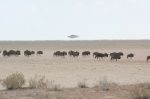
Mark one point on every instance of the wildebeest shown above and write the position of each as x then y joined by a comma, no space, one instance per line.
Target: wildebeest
27,53
70,53
64,53
76,54
121,53
115,56
148,57
11,53
94,53
58,53
17,53
112,54
130,55
39,52
118,53
73,53
105,55
99,55
85,53
5,53
32,52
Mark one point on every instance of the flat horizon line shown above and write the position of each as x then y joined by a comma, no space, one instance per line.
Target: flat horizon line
82,40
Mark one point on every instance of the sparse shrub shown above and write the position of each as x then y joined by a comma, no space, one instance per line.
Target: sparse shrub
145,85
38,82
139,93
105,84
52,86
82,84
13,81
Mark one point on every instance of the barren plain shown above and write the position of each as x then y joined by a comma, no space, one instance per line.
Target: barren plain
68,71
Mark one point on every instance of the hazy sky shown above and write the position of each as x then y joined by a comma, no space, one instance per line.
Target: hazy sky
89,19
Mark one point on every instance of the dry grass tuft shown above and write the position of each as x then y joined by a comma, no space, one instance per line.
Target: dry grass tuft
52,86
106,85
145,85
82,84
13,81
38,82
138,93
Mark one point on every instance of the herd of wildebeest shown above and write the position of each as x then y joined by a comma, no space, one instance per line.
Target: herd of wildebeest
17,53
96,55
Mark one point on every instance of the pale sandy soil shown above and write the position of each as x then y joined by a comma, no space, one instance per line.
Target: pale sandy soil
118,92
69,71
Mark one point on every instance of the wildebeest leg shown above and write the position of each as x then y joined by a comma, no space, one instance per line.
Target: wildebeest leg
112,59
95,57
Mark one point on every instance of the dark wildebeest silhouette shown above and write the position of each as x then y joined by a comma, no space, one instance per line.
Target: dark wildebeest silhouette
105,55
99,55
64,53
11,52
5,53
121,53
39,52
148,57
112,54
75,54
58,53
70,53
130,55
94,53
17,53
27,53
85,53
32,52
115,56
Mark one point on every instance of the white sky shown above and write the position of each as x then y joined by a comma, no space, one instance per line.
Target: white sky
89,19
